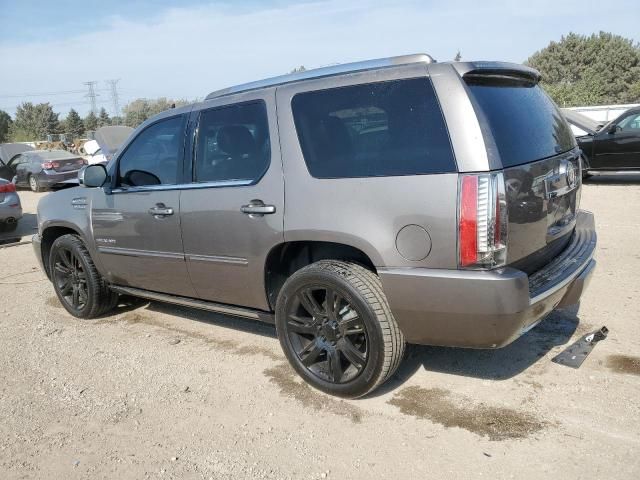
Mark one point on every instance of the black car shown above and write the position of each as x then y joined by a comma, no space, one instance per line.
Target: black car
41,169
610,148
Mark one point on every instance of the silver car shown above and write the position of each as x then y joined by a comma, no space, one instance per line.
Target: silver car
358,207
10,207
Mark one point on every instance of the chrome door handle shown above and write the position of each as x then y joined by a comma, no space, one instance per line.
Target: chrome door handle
257,208
160,210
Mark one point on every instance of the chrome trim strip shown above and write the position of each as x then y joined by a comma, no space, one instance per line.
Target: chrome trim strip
184,186
564,282
613,172
218,259
130,252
201,304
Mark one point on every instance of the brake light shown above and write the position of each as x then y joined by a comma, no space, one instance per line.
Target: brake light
482,227
47,166
7,188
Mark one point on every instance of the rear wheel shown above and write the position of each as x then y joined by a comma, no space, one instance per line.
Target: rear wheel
34,184
336,328
78,285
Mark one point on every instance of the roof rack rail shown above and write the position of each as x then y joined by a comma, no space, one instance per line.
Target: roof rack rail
324,72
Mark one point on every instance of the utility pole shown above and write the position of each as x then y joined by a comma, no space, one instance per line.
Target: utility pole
115,105
92,95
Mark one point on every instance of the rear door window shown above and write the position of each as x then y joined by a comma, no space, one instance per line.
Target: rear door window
525,124
372,130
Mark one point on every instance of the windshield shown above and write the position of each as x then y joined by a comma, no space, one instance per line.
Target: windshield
526,125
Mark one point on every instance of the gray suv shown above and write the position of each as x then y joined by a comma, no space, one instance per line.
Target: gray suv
358,207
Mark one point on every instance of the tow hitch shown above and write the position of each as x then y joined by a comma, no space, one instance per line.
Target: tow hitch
576,354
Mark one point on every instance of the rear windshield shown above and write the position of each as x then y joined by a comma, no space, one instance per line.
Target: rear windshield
525,124
373,130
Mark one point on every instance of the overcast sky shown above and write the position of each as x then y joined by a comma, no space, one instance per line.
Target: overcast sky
187,49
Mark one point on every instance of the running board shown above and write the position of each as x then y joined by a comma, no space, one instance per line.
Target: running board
613,172
195,303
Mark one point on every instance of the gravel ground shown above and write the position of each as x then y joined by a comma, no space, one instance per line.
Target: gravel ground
157,391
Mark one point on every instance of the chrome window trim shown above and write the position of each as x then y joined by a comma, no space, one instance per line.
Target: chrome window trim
183,186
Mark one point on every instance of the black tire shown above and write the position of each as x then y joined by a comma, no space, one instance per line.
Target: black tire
34,184
358,331
9,227
78,285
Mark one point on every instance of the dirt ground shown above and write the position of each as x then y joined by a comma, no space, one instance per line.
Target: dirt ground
157,391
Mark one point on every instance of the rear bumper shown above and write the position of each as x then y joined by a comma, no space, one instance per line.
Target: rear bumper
10,208
50,179
488,309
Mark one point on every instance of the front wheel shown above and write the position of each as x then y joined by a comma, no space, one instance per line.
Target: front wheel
336,328
78,285
34,184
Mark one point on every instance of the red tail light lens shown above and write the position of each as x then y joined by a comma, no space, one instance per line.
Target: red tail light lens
482,227
468,227
47,165
7,188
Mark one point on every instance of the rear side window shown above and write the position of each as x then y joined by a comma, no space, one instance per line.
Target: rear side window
233,143
373,130
525,124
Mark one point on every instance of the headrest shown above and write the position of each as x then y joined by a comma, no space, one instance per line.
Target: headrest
236,140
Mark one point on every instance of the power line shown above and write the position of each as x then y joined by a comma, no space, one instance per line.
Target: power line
92,94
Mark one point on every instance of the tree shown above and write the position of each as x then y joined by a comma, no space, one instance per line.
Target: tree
458,57
5,124
595,70
139,110
91,122
301,68
103,118
74,125
34,122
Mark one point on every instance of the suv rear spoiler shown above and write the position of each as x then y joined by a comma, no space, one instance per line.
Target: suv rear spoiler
497,69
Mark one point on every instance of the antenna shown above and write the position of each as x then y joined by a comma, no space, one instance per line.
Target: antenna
115,104
92,94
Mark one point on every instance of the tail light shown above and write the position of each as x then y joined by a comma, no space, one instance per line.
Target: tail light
7,188
482,221
47,165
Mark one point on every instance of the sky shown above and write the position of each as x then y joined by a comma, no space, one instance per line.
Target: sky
184,50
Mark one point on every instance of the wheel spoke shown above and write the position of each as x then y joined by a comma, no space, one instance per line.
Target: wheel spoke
351,353
309,303
75,300
332,303
303,325
62,269
309,354
65,256
352,326
335,365
65,288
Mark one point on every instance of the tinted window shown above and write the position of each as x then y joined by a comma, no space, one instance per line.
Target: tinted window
525,124
155,155
233,143
631,123
377,129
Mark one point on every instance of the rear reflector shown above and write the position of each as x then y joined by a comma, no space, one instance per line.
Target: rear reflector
7,188
482,228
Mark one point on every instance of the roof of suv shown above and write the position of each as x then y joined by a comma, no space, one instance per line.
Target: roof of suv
330,71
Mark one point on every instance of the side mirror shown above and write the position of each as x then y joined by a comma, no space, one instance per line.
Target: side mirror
613,129
93,176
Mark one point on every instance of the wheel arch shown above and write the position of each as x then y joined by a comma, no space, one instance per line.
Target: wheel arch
49,235
288,257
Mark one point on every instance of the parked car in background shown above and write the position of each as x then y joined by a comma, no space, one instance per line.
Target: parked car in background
360,207
42,169
10,150
613,148
10,207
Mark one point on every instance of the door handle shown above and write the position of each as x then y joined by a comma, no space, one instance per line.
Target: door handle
160,210
257,208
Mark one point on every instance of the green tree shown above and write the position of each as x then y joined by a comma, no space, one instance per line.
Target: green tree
139,110
5,125
103,118
301,68
74,125
34,122
598,69
458,57
91,122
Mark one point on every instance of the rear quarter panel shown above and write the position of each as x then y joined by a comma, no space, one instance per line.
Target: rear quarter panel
366,213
